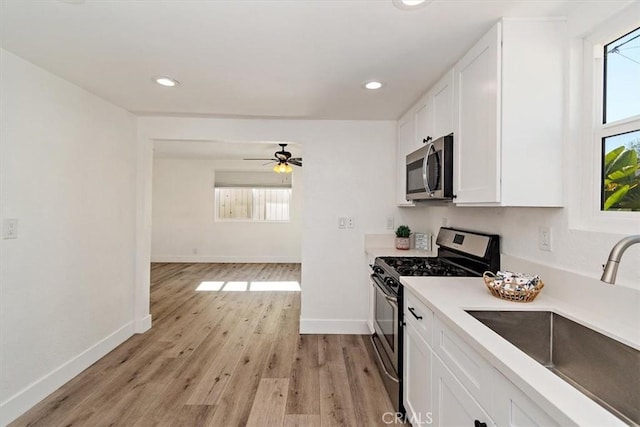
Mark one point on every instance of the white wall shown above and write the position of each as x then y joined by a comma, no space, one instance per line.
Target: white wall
67,282
183,218
574,250
348,171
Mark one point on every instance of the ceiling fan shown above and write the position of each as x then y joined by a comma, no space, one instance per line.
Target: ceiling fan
283,160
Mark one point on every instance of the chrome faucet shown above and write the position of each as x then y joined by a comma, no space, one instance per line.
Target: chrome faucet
611,268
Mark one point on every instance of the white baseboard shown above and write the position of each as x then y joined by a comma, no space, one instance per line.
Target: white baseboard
22,401
142,325
331,326
222,258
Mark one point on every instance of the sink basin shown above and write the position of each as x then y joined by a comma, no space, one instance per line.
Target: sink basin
604,369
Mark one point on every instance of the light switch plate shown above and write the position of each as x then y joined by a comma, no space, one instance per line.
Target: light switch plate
342,222
10,228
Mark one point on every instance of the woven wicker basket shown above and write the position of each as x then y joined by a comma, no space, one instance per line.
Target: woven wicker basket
510,295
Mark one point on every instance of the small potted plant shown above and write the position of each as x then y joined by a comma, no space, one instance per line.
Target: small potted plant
402,237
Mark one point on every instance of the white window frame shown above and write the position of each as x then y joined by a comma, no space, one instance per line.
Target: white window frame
590,216
254,218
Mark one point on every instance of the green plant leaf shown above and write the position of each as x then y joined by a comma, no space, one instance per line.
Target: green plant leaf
625,158
616,197
403,231
622,174
611,156
631,200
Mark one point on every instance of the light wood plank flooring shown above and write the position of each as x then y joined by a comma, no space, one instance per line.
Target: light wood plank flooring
222,358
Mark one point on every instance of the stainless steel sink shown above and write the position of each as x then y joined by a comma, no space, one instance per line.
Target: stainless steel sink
604,369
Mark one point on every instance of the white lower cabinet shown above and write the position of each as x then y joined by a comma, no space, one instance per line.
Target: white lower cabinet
470,368
448,384
513,408
417,373
453,405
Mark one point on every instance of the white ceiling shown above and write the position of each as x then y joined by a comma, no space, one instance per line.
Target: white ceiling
221,150
267,58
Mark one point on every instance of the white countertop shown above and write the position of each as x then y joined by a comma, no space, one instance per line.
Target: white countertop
450,297
376,245
376,252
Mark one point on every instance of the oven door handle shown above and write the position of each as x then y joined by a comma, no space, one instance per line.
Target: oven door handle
391,377
388,297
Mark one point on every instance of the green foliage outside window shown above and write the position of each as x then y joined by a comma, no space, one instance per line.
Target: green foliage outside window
621,190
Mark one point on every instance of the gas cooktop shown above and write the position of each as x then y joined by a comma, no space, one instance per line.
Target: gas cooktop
425,266
461,253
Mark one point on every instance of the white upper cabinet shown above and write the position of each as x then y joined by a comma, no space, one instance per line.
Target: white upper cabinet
442,94
431,117
424,121
508,104
405,141
477,150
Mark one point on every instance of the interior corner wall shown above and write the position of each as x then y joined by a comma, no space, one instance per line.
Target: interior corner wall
183,225
68,172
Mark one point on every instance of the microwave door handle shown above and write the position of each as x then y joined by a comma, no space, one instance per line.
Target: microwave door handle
425,167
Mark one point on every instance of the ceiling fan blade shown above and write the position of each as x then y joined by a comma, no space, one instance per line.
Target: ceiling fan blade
275,160
297,159
295,162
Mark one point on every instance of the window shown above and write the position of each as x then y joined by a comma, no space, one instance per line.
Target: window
618,131
252,204
604,94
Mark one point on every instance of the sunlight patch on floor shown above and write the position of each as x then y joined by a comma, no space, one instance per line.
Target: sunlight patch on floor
274,286
263,286
210,286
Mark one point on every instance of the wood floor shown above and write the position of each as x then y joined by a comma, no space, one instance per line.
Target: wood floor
222,358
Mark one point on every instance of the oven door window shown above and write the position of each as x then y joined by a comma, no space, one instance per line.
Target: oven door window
386,317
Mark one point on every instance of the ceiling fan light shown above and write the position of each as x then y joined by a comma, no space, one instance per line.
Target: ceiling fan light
276,168
288,169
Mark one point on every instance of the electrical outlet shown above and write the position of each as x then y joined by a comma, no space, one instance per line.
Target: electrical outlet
342,222
10,228
350,222
390,221
544,239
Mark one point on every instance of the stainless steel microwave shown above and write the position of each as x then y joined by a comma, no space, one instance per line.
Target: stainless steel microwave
430,171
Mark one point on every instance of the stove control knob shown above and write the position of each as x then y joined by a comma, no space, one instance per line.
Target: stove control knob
377,270
391,282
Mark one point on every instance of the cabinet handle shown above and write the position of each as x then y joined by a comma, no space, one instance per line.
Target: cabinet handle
412,311
477,423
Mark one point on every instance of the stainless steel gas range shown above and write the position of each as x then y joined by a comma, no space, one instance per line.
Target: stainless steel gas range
461,253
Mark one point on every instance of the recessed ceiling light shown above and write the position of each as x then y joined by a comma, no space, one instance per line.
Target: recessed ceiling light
372,85
166,81
410,4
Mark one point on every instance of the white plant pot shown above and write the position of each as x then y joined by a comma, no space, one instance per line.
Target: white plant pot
403,243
